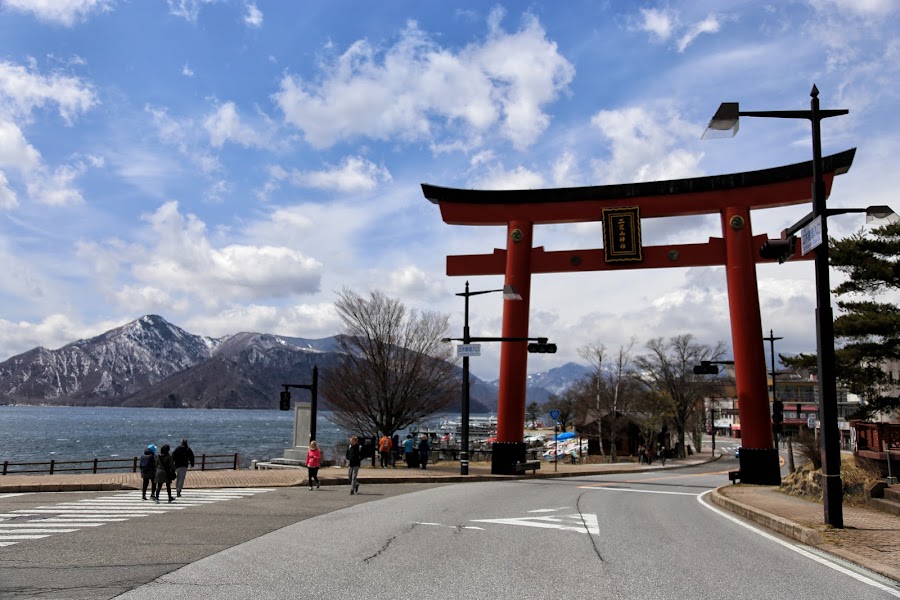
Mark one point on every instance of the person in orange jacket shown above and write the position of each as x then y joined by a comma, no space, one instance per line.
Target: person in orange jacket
384,448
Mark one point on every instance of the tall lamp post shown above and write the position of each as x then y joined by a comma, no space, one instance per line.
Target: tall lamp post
725,121
777,405
508,294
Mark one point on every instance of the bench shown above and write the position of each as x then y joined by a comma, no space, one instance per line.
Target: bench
528,465
734,476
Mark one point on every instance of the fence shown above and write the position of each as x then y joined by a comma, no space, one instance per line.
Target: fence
206,462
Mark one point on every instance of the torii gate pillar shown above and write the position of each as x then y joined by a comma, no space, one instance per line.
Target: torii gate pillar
509,447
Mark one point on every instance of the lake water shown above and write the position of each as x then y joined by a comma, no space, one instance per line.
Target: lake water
44,433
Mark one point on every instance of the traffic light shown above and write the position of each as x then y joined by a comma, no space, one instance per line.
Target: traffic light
285,402
706,368
780,250
542,348
777,412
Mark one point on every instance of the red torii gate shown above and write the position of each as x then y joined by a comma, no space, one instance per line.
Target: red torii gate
731,196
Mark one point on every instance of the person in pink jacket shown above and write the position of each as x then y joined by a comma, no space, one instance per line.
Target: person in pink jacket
313,460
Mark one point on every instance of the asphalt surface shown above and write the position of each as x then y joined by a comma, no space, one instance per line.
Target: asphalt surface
871,539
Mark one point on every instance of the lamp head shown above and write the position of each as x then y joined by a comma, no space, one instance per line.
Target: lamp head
876,213
510,293
725,123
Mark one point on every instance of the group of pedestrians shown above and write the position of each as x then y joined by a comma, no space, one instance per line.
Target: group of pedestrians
414,454
159,467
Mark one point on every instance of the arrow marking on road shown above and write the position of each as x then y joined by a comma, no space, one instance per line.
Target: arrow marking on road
576,523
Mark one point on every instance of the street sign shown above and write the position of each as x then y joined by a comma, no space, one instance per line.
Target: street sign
811,422
554,414
811,235
463,350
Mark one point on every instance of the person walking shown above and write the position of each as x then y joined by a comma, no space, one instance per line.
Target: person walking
384,451
165,473
424,448
148,470
182,457
409,445
354,459
395,450
313,460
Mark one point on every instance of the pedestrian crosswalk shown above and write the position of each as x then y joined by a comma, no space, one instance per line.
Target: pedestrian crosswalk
66,517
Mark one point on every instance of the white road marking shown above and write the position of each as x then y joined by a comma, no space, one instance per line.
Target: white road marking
612,489
800,550
577,523
543,510
67,517
37,530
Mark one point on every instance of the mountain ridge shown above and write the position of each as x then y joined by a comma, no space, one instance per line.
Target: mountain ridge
150,362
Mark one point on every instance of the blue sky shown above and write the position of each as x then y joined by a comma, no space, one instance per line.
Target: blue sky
231,165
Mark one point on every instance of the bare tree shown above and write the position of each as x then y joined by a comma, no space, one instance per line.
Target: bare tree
613,381
668,369
395,372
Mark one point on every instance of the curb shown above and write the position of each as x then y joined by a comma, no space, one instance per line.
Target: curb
785,527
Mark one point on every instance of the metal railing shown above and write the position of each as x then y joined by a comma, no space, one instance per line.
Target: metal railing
205,462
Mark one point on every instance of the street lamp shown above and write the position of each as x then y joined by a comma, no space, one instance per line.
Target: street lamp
777,405
725,124
508,294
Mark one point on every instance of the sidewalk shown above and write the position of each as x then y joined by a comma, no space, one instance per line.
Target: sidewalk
870,538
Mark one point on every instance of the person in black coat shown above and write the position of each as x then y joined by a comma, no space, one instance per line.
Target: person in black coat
148,470
165,473
354,460
182,457
424,448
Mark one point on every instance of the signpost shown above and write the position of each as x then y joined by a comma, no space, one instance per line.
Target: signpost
463,350
811,235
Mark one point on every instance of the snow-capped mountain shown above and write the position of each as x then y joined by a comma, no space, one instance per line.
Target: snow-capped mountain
150,362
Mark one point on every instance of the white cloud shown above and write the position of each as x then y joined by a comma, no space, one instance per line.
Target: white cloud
187,9
664,24
51,187
254,16
498,178
15,151
63,12
183,134
178,265
8,197
22,90
708,25
416,90
409,281
302,320
657,22
867,8
644,145
187,71
226,125
354,174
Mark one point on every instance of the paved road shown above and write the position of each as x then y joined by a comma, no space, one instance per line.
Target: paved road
96,545
642,535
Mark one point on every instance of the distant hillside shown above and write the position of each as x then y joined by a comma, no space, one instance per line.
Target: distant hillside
150,362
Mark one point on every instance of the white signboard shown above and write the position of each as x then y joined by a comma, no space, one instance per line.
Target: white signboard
811,235
464,350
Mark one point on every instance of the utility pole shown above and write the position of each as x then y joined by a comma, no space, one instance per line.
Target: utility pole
777,405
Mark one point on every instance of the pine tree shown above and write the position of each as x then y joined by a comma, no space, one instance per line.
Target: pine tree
868,329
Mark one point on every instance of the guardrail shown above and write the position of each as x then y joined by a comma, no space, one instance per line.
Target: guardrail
206,462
